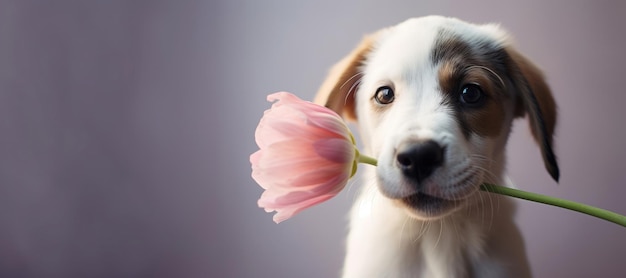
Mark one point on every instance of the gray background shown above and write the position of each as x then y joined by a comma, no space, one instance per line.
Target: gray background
125,130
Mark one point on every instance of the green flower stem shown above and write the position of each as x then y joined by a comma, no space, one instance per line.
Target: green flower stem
516,193
566,204
367,160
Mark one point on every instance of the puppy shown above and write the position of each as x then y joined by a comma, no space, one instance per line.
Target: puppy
434,99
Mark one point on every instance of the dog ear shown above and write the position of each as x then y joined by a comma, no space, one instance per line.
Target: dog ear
338,90
535,98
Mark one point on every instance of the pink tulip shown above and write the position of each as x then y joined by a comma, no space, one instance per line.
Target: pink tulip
307,154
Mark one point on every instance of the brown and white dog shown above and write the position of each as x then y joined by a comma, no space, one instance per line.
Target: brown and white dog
434,99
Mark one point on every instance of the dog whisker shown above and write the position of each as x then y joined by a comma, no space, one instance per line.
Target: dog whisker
354,85
492,72
360,73
424,227
491,210
481,207
351,90
456,231
440,230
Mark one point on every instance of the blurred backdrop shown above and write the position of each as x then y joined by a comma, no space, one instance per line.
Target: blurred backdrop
126,126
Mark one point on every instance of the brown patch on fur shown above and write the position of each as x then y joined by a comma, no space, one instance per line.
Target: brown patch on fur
338,90
480,62
486,120
540,89
448,75
536,98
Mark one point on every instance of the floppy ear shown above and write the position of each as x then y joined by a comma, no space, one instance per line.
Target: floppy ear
535,98
338,90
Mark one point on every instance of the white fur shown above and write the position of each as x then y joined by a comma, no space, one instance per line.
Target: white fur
476,239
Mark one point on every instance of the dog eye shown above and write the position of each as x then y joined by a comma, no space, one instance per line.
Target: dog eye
384,95
472,95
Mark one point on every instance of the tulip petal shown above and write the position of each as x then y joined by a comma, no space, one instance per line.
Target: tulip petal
335,150
330,124
289,204
306,155
288,212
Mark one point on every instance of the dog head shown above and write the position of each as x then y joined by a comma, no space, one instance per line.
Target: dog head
434,99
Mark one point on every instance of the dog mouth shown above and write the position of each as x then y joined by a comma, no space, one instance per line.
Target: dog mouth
429,206
441,193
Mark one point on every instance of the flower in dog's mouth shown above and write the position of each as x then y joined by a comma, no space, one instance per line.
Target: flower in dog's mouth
307,155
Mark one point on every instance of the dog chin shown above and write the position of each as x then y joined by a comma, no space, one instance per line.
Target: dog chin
427,207
435,204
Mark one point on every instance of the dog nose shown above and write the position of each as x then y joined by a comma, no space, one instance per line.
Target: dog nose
418,160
